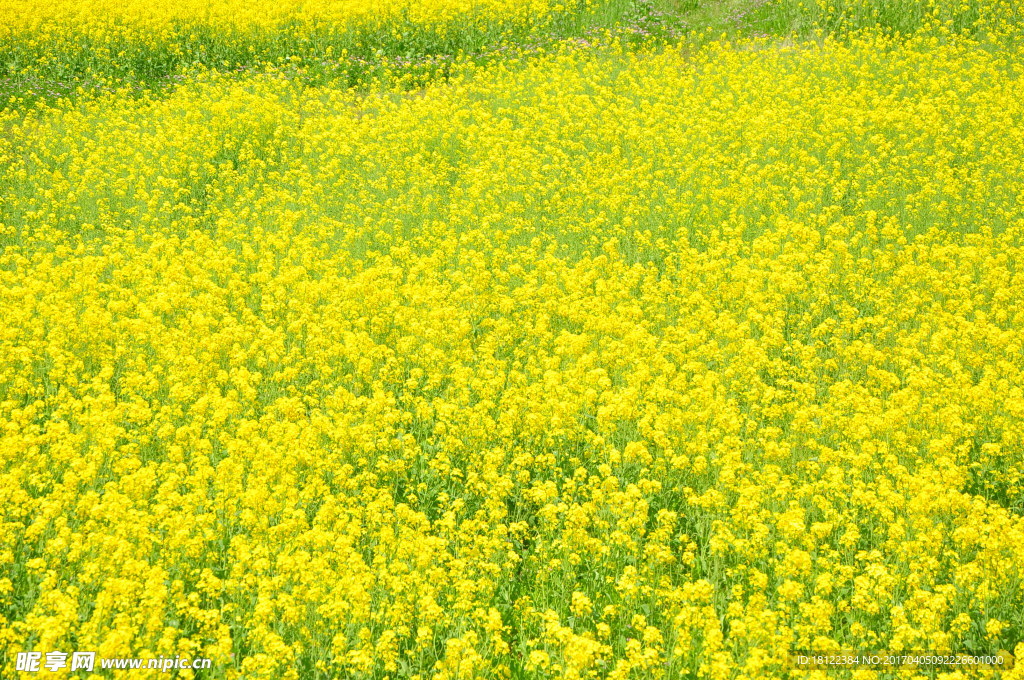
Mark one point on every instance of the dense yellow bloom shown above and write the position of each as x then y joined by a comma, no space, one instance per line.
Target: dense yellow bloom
611,365
18,15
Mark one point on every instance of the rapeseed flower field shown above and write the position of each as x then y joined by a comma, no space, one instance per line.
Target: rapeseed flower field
50,50
606,358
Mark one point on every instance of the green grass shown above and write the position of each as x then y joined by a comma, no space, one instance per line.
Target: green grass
33,69
411,55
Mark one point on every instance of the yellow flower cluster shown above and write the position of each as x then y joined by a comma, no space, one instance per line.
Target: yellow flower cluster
992,18
51,50
612,366
17,15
